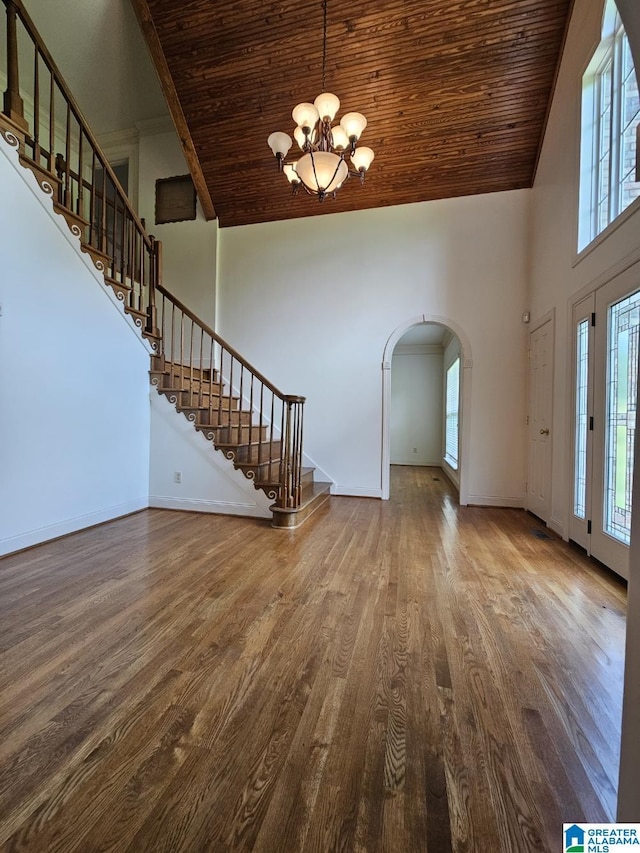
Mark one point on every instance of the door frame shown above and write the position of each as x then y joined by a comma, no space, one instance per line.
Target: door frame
465,400
628,270
549,317
578,529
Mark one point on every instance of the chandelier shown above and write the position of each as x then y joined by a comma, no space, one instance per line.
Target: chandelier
329,154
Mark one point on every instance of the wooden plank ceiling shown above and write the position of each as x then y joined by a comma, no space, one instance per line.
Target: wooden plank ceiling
455,92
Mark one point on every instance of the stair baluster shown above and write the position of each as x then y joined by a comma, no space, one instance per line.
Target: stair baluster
245,415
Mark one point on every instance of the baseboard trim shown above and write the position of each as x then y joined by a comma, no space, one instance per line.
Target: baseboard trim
72,525
213,507
495,500
355,491
556,524
412,463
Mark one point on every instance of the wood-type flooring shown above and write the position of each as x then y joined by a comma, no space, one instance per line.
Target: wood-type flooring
406,676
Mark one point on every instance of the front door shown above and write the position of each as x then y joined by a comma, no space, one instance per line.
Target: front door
606,339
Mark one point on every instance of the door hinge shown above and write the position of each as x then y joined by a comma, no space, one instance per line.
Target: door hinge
593,318
589,527
527,420
591,424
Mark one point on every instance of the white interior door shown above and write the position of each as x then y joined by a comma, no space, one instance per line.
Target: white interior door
540,398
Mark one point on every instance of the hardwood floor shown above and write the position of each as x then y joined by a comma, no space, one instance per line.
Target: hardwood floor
402,676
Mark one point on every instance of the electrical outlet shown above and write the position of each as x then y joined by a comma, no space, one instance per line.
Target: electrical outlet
177,477
415,449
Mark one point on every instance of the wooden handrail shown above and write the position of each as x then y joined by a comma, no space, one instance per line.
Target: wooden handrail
233,352
75,109
264,437
193,352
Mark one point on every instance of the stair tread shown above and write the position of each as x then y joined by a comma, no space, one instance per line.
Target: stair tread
196,408
114,281
309,494
264,443
263,464
313,496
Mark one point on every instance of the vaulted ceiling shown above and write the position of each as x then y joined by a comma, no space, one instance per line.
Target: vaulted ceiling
456,93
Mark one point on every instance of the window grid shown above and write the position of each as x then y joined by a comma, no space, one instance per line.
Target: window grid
581,435
622,395
615,117
628,187
451,413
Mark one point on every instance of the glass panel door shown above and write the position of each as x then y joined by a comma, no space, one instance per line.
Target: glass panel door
615,401
582,404
582,420
622,371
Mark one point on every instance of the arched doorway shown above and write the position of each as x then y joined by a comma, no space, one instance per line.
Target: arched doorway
415,330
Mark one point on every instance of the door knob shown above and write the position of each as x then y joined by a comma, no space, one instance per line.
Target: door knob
544,431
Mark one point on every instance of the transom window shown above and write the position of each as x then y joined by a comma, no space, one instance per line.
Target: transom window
610,118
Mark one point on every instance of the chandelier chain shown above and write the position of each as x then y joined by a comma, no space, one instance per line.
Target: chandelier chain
324,44
328,155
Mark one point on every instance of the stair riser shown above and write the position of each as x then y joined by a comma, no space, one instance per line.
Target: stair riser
257,455
289,521
161,364
242,435
222,420
185,398
177,383
192,397
182,401
266,472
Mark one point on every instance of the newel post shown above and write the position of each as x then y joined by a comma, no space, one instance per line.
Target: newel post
292,452
13,104
286,456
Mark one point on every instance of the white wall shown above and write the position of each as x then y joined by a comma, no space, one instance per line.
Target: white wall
74,416
416,405
558,276
312,302
209,482
189,247
101,54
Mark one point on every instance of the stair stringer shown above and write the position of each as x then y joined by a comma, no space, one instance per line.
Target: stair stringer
209,481
43,191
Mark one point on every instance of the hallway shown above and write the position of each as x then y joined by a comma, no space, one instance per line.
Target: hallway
406,676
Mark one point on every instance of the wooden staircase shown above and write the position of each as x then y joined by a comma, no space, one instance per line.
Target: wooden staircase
200,395
226,399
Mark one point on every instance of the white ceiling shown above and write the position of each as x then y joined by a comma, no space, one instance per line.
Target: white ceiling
99,49
423,334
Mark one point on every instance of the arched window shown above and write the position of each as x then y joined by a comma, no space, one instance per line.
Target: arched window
609,168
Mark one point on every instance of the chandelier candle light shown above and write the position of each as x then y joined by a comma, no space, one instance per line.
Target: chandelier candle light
327,151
